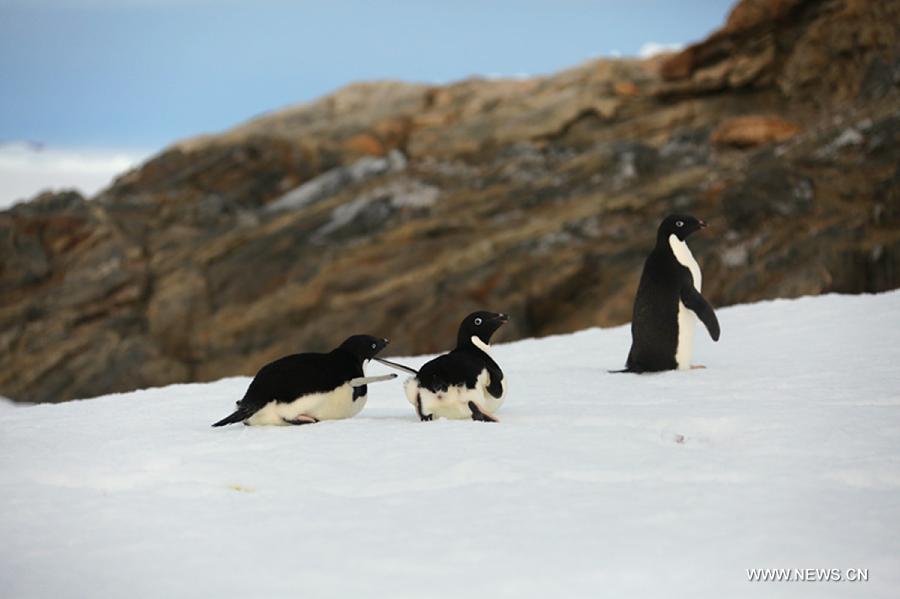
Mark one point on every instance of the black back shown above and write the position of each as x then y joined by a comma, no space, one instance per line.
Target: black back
654,321
290,377
464,364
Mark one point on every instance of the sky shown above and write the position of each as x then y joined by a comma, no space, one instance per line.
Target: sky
128,77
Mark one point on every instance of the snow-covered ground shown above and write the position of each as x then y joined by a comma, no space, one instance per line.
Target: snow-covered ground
784,453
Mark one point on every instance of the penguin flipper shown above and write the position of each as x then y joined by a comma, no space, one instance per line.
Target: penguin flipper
480,416
411,371
695,302
242,413
361,381
495,386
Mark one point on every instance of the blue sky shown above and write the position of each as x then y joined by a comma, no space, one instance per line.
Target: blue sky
94,87
143,73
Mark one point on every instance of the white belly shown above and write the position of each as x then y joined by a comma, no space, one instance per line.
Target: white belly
685,350
687,320
454,402
332,405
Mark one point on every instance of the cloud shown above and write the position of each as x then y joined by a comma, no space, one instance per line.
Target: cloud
653,48
27,169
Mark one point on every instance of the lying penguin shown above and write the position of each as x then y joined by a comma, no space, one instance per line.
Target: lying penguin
307,388
465,383
668,302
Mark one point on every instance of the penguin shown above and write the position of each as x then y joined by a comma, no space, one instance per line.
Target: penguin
307,388
668,302
464,383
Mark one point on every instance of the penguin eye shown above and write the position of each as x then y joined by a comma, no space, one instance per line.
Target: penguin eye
477,321
679,223
374,346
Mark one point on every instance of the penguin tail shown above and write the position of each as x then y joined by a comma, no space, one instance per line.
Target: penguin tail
620,371
237,416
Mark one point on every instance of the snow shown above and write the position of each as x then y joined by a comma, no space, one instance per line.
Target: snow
27,169
651,49
783,453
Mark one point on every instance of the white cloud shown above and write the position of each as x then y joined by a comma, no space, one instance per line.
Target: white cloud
653,48
27,169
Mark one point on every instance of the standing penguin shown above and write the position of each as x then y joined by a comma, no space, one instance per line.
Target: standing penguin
464,383
668,302
307,388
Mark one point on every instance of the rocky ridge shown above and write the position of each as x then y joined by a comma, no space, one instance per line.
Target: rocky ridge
394,208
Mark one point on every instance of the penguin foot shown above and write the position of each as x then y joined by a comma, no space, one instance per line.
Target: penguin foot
478,415
301,419
422,416
698,367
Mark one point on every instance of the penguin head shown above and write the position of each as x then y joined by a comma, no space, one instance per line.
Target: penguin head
364,347
679,225
481,325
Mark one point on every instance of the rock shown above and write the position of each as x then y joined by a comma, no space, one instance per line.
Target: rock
392,208
800,49
881,77
365,144
754,130
331,182
740,43
751,14
626,88
768,190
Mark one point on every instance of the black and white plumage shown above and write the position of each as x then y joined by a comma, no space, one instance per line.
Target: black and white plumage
307,388
669,301
464,383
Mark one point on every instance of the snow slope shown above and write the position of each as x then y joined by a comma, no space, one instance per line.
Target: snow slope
784,453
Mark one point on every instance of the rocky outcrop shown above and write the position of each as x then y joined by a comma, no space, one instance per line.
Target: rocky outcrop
394,208
817,51
749,131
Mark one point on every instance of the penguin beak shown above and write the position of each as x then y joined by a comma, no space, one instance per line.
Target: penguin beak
501,318
703,224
